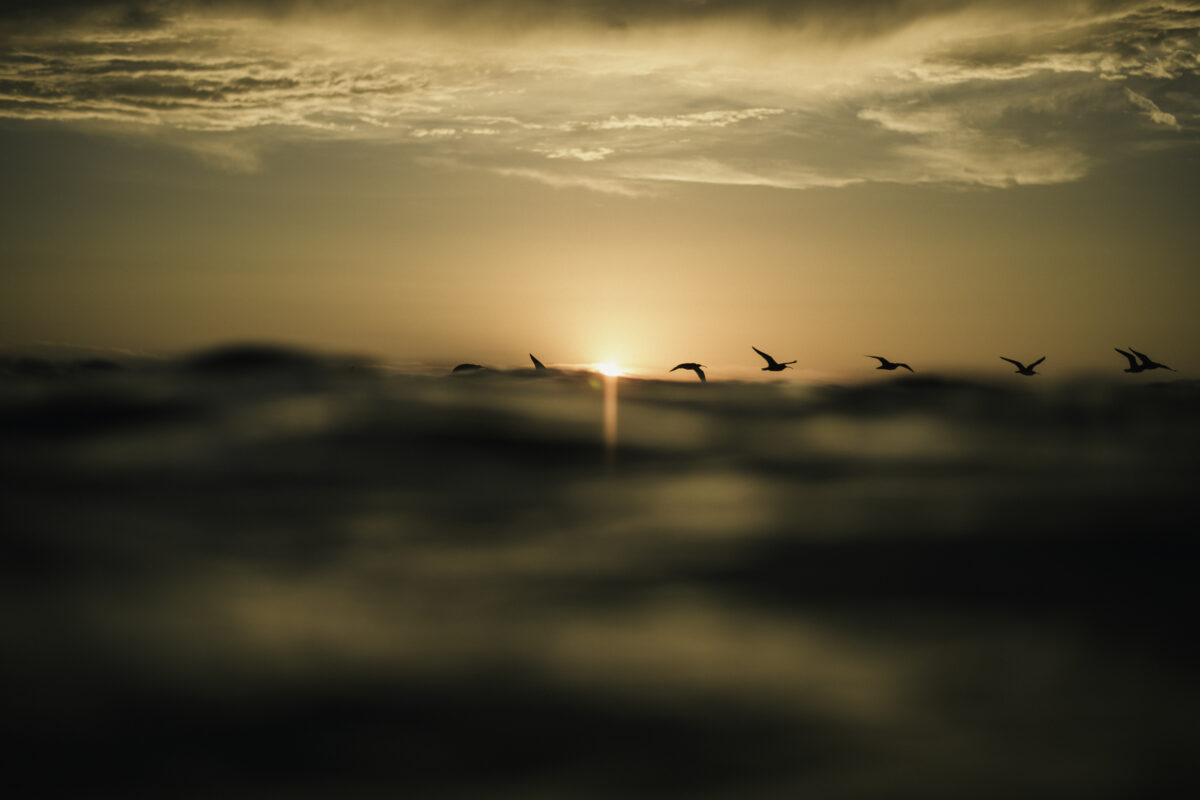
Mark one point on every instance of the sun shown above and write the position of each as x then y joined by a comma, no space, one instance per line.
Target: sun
609,369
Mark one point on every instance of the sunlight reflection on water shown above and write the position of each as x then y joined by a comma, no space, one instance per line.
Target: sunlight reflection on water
610,421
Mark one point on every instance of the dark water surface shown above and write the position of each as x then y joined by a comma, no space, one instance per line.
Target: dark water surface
257,576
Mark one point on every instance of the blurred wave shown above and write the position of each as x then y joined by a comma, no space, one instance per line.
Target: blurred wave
260,571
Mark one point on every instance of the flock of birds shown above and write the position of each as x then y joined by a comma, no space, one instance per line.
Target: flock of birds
1138,362
1141,363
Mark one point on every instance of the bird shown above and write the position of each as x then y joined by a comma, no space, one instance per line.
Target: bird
772,364
1147,362
1021,368
885,364
1134,366
536,364
694,367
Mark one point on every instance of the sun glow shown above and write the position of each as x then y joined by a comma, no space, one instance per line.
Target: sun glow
609,369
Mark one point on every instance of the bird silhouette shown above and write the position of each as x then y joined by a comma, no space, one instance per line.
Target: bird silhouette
1147,362
1134,366
1021,368
885,364
694,367
772,364
536,364
468,368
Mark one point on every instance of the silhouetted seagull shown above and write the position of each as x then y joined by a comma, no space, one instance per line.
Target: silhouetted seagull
1134,366
885,364
772,364
1021,368
1147,362
536,364
694,367
468,368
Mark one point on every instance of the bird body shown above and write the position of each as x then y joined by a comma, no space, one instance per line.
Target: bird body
1147,362
890,365
772,364
1023,369
694,367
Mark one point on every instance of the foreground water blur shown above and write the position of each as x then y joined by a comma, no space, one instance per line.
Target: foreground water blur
277,575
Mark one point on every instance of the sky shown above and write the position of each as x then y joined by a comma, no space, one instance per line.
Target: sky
645,183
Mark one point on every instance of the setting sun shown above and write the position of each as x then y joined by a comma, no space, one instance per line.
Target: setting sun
608,368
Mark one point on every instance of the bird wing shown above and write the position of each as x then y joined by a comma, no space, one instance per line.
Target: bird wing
678,366
1014,362
1145,359
1132,360
537,364
1040,360
770,361
906,366
700,372
882,360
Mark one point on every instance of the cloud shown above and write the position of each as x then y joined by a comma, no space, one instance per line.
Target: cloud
1156,114
863,17
785,95
914,121
715,119
988,161
580,154
235,155
560,180
713,171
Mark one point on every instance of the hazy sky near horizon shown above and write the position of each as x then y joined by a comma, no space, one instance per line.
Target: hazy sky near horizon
643,182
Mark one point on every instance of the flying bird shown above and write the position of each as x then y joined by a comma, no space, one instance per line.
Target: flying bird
1134,366
772,364
536,364
1147,362
885,364
694,367
1021,368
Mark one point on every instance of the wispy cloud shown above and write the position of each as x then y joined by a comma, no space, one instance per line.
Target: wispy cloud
575,180
580,154
1151,109
707,170
780,94
714,119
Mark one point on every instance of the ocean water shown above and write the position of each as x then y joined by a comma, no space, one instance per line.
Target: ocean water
263,573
